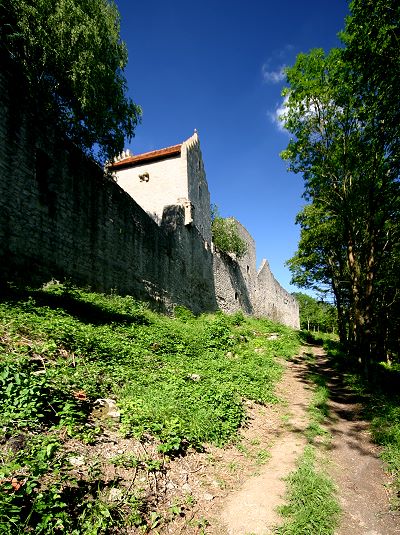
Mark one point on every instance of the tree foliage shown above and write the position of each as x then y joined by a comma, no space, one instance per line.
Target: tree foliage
73,59
225,235
346,145
316,315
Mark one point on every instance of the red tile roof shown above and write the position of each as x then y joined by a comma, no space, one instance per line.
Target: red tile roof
146,157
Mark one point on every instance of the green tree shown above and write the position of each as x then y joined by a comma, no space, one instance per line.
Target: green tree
316,315
73,59
350,172
225,235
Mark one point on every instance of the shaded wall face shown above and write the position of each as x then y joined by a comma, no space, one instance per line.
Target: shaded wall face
60,218
199,194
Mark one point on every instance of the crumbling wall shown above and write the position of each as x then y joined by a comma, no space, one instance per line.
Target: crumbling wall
238,286
273,301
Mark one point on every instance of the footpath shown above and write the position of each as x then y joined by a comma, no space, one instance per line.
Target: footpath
242,486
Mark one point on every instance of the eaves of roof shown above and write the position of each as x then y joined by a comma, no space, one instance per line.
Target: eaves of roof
147,157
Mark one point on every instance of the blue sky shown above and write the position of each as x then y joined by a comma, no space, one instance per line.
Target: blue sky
215,66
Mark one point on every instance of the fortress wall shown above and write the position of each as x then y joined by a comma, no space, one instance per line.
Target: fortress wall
239,286
61,218
235,279
274,301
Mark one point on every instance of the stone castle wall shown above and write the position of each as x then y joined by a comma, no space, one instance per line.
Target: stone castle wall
239,286
60,217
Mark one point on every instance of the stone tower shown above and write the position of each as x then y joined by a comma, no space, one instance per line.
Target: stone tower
171,176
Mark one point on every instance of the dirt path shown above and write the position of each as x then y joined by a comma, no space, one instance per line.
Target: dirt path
252,509
236,490
356,468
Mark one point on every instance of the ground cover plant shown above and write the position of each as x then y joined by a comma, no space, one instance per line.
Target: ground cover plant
311,503
175,383
311,497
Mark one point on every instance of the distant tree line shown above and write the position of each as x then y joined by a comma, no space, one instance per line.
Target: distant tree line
343,114
316,315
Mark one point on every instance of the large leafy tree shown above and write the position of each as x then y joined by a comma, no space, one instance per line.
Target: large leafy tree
73,59
337,112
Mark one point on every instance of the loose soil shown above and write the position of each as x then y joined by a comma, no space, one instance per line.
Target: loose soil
364,487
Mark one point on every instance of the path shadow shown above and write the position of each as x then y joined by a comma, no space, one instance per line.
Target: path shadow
345,406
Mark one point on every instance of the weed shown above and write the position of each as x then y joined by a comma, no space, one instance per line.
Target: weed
62,348
311,503
263,456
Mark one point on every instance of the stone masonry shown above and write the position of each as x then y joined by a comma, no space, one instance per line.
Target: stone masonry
147,234
175,175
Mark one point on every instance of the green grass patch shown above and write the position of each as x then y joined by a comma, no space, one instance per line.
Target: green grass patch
311,504
181,381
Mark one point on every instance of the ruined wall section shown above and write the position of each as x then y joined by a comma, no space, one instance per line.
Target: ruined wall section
235,279
61,218
198,192
155,185
239,286
274,301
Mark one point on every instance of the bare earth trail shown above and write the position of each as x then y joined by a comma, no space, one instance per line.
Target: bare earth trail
252,509
355,465
236,490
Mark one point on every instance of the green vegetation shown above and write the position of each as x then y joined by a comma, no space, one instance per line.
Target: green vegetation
311,502
178,383
73,60
316,315
311,507
343,116
318,409
225,235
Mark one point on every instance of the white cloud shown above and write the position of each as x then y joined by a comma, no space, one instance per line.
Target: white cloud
277,116
273,76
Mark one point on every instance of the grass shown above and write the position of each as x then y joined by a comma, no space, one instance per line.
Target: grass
178,382
318,408
311,505
311,502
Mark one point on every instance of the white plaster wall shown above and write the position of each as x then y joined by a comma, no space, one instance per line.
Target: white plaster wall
167,183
